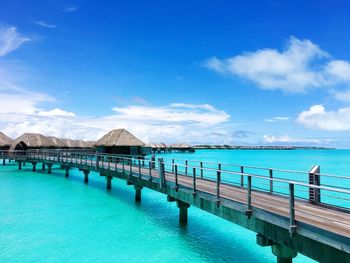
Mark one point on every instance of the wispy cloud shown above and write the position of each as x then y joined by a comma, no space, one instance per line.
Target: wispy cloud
44,24
10,40
277,118
175,112
301,66
71,9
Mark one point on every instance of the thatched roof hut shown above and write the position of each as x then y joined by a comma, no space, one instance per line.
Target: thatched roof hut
181,147
120,141
5,141
31,140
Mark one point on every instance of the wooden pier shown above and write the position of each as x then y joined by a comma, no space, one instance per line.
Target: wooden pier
287,221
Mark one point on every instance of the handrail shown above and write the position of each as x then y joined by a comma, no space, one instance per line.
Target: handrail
95,158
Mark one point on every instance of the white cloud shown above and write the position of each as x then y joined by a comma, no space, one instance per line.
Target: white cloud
277,118
287,139
56,113
318,118
339,69
10,40
176,113
301,66
44,24
175,122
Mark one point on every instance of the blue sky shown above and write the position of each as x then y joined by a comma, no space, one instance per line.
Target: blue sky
234,72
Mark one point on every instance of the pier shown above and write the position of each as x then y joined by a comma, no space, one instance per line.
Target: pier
297,219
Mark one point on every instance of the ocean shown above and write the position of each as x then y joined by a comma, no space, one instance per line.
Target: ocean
48,218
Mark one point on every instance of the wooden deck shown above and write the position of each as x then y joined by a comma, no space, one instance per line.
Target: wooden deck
317,231
323,218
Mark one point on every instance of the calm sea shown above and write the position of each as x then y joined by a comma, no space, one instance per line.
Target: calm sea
48,218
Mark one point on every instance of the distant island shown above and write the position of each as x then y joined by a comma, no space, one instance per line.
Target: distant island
267,147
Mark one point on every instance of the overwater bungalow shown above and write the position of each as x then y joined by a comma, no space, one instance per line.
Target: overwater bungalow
31,141
121,141
159,147
5,142
181,147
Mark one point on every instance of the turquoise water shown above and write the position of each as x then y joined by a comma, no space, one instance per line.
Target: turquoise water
48,218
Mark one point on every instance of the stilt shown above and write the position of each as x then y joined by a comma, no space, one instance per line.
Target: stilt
3,161
284,254
66,171
34,167
86,176
183,207
43,167
109,182
138,193
49,166
19,165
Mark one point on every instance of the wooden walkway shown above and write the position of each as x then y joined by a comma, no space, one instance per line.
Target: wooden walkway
298,225
324,218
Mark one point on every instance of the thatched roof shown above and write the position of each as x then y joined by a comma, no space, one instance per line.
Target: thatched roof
158,145
33,140
5,141
180,145
90,144
119,137
57,142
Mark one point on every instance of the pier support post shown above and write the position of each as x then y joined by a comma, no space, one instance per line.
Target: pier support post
3,161
34,167
43,166
19,165
284,254
138,193
86,176
183,209
66,171
49,167
109,182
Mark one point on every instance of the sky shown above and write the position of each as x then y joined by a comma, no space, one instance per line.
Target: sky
264,72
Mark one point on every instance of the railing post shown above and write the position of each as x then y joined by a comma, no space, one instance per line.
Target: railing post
153,161
176,179
139,168
150,170
242,177
271,181
249,196
292,224
218,181
172,165
314,179
201,165
186,163
96,158
194,181
161,173
130,166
